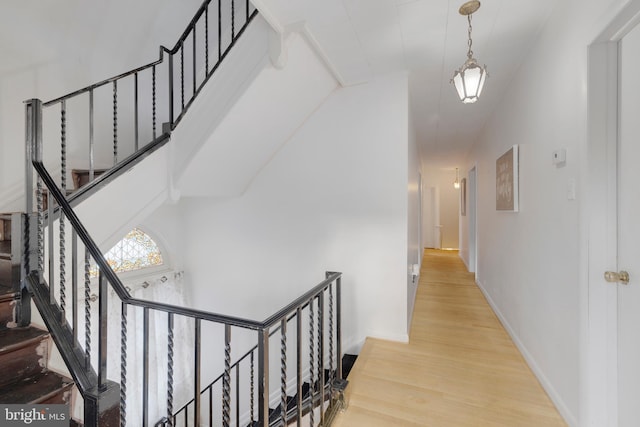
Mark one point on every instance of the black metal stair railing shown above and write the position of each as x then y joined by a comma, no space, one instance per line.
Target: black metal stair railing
107,390
319,385
126,118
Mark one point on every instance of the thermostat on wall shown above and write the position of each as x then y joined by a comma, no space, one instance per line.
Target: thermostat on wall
560,157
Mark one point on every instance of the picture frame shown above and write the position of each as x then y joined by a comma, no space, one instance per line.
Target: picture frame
507,180
463,197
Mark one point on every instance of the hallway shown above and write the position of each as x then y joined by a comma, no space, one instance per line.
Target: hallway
460,367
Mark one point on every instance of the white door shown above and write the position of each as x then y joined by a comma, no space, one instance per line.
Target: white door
629,231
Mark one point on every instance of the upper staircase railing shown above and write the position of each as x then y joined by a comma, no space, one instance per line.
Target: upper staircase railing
99,328
126,117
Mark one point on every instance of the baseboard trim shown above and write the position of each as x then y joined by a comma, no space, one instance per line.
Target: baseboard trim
568,416
403,338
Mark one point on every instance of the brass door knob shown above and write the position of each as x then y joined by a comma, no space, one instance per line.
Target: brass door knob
614,277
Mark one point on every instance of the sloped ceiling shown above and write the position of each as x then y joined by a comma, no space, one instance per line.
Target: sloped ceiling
428,39
361,38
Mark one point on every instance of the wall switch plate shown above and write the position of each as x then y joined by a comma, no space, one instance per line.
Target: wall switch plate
560,157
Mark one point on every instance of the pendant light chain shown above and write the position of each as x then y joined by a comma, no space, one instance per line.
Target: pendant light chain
470,52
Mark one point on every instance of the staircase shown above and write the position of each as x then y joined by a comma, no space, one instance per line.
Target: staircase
24,350
297,406
51,262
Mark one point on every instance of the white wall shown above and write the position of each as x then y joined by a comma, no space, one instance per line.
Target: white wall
528,262
447,205
414,238
334,198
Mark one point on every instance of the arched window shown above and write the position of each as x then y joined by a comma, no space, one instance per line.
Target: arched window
135,251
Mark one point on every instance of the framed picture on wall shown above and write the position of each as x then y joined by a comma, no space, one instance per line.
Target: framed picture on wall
463,197
507,181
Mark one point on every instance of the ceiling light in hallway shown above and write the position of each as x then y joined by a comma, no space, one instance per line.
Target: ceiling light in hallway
469,79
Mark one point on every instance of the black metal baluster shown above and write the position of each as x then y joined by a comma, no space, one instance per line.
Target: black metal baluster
312,371
123,365
226,379
238,395
115,122
233,22
210,406
321,354
74,282
206,41
91,141
339,327
247,12
194,62
171,101
182,75
87,309
197,372
283,370
135,101
102,331
219,30
252,388
170,369
153,100
299,365
40,228
50,218
63,188
145,367
331,332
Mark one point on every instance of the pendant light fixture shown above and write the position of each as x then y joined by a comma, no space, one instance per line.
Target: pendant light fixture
456,183
469,79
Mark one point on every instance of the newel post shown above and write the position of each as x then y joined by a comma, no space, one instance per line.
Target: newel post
33,151
24,227
263,377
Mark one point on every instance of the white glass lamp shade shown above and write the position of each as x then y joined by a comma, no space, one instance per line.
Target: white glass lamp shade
469,80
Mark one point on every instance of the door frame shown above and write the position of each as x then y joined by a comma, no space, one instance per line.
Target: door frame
472,215
598,300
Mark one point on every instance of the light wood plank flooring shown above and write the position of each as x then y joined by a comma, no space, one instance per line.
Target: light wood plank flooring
460,367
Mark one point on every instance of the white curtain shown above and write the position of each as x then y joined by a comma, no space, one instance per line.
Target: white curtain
166,288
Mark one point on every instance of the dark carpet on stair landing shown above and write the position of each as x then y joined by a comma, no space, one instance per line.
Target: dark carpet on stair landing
347,363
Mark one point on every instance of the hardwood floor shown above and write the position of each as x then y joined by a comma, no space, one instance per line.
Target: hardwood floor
460,367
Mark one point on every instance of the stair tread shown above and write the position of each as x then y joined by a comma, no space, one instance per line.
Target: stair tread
14,338
34,389
7,293
5,248
275,413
